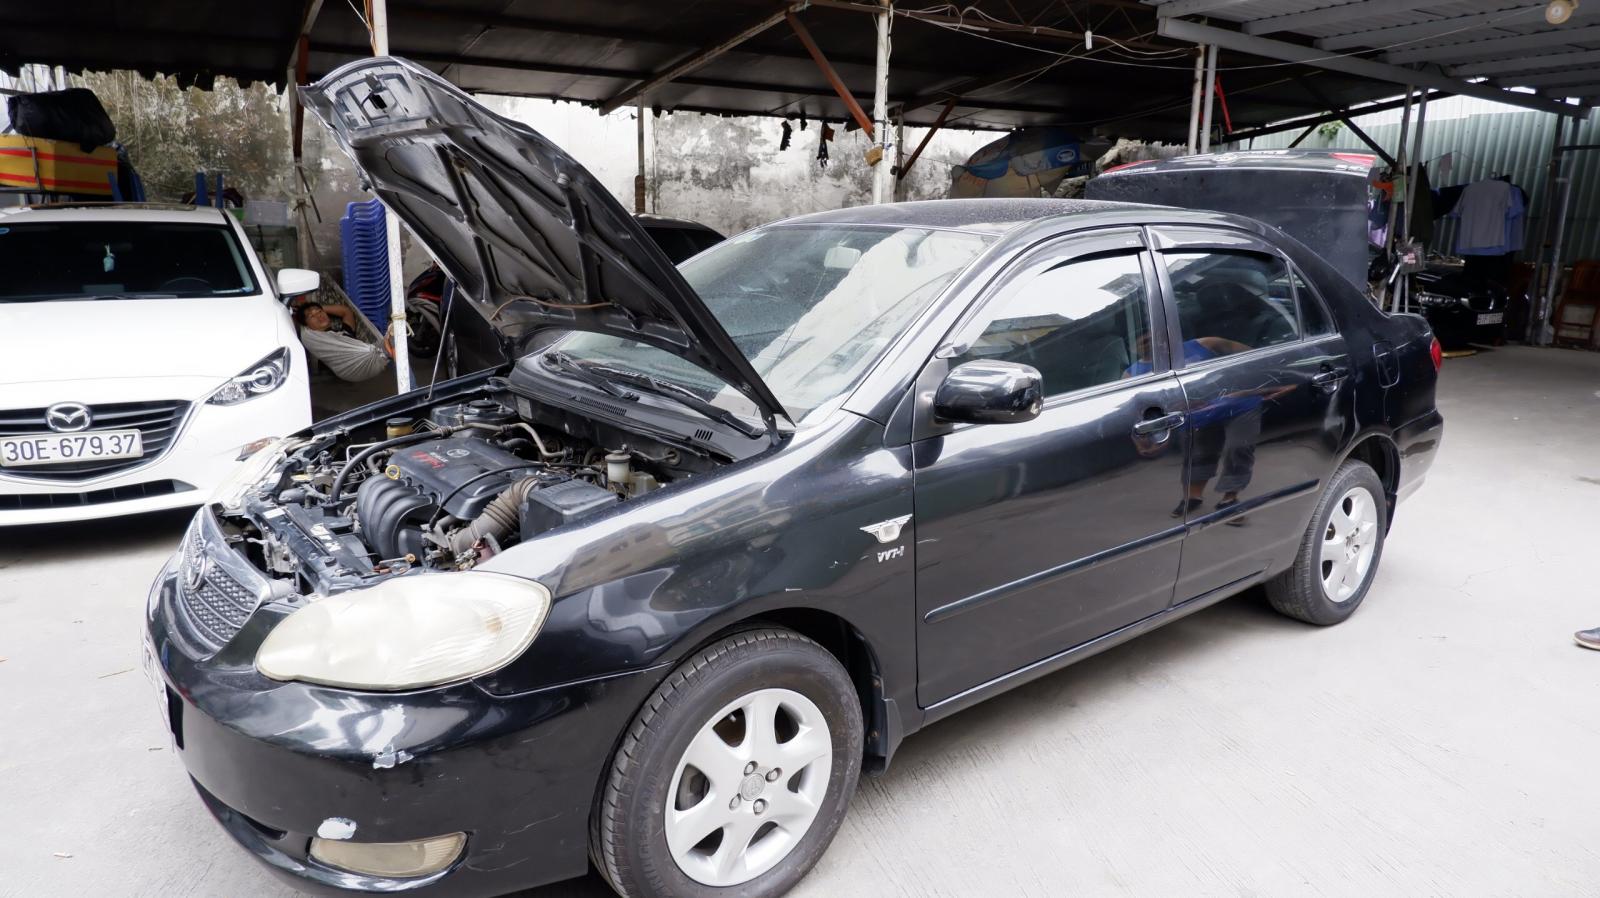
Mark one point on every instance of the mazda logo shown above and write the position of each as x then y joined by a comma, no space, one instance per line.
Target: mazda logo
67,417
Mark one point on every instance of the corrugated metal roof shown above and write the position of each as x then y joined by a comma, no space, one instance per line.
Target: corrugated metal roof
1508,40
1485,140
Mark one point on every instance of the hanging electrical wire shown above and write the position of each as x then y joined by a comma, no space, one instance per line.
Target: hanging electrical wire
971,32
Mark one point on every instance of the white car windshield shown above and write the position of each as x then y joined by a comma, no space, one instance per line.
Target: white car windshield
120,260
811,307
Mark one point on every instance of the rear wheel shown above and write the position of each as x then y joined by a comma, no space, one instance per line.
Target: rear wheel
1339,553
736,774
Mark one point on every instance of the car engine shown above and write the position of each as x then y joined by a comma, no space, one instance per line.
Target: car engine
445,490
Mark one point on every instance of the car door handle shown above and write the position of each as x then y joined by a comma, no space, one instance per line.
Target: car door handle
1158,425
1330,377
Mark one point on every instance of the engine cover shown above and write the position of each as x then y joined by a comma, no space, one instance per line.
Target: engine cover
466,473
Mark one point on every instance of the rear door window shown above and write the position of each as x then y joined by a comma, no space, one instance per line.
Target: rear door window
1231,301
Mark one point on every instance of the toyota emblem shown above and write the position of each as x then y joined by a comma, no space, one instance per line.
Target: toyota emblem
67,417
194,573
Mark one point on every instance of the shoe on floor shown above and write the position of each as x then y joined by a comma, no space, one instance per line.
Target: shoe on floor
1187,506
1589,639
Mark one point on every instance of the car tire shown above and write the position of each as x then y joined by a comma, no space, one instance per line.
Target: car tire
656,800
1339,554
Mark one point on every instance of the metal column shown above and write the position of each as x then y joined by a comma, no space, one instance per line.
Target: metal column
883,171
1547,303
397,286
1194,101
1209,98
638,179
1415,160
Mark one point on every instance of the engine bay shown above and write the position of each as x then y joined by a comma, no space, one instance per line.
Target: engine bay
444,488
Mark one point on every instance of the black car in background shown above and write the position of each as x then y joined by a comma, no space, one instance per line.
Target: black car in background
652,596
679,238
1461,307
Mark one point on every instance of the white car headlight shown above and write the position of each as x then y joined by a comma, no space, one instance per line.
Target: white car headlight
408,632
262,377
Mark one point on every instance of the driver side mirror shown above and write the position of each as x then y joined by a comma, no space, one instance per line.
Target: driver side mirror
990,393
297,282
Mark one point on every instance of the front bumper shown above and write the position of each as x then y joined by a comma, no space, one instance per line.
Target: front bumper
202,454
274,761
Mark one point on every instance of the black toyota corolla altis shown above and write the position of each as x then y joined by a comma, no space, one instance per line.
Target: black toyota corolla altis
654,595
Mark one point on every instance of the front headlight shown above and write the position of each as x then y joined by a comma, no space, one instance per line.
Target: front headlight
262,377
230,492
408,632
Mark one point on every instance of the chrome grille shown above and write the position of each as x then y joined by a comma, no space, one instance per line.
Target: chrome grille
212,612
157,422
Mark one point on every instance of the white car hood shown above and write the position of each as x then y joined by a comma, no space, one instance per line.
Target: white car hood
213,337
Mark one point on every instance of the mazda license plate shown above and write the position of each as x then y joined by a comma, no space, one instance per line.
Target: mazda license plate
61,448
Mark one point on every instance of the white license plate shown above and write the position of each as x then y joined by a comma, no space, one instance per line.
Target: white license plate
152,673
1491,317
62,448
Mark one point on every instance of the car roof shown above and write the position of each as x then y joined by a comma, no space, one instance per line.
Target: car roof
982,216
164,212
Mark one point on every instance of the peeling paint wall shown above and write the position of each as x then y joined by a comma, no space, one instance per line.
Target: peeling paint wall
728,172
723,171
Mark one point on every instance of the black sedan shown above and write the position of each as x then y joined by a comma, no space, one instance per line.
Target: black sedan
1462,308
652,597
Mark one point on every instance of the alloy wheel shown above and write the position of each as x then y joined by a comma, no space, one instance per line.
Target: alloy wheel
748,787
1349,544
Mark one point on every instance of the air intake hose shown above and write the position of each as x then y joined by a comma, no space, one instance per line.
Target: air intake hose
498,518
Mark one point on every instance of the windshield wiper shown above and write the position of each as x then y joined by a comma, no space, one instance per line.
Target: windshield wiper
681,394
564,363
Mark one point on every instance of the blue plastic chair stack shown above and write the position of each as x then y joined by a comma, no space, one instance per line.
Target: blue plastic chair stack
366,260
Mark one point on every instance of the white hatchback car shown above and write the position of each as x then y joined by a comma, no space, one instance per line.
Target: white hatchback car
143,353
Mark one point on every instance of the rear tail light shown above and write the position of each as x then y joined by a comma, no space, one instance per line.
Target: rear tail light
1356,158
1436,352
1126,165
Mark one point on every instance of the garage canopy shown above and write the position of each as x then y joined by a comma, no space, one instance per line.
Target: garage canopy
1123,68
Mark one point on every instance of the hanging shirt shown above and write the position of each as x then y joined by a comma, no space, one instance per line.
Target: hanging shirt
1484,209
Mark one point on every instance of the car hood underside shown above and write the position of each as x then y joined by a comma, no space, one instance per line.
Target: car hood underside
531,238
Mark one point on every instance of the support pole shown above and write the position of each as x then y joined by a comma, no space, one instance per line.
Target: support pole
1564,192
638,179
937,124
837,83
1194,100
1547,202
899,157
1209,98
1400,148
379,18
883,171
1411,167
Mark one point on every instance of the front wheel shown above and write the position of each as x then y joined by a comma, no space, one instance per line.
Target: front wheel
1339,553
735,775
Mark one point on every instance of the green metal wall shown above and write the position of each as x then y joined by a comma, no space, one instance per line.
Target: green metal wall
1487,139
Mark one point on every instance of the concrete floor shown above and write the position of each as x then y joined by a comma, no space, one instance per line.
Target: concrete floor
1442,742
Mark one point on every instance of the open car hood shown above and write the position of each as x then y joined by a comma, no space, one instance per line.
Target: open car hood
531,239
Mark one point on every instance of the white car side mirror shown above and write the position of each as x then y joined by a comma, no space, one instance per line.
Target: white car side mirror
297,282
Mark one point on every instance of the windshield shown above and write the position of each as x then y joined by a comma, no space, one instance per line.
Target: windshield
120,260
811,307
